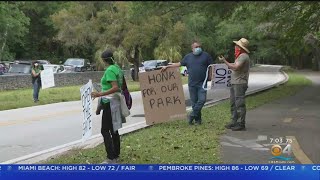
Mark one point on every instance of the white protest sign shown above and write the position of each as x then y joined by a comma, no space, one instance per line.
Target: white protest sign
47,78
87,110
222,77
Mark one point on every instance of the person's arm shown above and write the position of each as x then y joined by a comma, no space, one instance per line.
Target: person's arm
210,73
233,66
114,88
170,66
110,76
210,61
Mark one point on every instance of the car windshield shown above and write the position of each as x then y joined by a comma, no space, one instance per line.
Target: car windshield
73,62
150,63
43,62
20,68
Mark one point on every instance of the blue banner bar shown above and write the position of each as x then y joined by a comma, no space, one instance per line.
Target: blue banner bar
180,171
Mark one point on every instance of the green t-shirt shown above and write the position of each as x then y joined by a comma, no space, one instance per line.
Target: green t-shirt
112,73
36,70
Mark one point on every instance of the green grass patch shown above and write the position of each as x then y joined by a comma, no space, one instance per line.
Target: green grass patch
13,99
177,142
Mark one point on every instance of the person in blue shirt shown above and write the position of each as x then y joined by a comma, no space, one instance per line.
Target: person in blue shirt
197,63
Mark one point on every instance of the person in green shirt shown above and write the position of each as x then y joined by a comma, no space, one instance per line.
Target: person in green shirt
111,82
36,80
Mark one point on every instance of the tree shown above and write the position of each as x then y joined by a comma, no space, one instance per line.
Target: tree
13,24
75,29
298,24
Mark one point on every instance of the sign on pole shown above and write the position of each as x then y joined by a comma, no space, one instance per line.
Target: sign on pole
162,95
87,110
47,78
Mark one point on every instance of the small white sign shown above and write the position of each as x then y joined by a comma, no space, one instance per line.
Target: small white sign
221,77
87,110
47,78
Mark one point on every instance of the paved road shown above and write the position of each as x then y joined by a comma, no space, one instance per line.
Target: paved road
296,117
33,129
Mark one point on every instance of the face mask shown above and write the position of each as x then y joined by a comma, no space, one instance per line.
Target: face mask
112,59
197,51
237,52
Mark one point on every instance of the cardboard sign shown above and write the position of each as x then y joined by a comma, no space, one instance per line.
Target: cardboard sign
162,95
47,78
221,77
87,110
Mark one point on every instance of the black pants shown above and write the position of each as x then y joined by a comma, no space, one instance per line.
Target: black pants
111,138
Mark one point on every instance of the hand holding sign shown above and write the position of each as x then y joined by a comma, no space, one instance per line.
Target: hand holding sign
221,58
164,68
95,95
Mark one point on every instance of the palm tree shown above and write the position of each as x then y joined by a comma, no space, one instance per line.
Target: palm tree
171,53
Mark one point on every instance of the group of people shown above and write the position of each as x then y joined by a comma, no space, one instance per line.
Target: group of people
197,63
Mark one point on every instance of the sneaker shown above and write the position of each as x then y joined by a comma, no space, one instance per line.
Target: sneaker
198,122
190,120
230,125
110,161
239,128
35,101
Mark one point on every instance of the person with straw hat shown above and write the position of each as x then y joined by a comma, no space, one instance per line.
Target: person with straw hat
239,84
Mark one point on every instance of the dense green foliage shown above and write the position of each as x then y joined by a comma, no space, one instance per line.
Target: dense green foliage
279,32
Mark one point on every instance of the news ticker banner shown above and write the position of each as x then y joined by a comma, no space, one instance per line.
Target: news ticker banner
156,171
158,168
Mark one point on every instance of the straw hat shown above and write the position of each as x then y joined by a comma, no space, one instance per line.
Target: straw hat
243,43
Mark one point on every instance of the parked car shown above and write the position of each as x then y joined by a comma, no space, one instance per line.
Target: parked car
2,69
20,67
77,65
184,70
43,62
151,65
55,67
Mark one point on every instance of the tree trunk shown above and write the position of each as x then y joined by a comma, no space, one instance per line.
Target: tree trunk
300,61
312,40
4,42
315,64
136,62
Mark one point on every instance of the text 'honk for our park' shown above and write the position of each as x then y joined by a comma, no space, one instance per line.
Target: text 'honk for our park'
162,78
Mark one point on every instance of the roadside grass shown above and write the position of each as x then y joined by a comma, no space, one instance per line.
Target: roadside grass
13,99
177,142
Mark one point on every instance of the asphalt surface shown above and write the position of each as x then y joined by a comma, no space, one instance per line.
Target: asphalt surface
295,116
28,130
